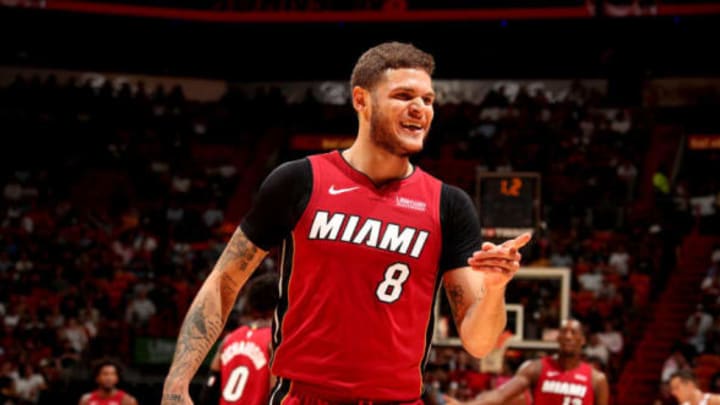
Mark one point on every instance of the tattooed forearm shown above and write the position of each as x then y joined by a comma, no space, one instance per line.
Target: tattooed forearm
209,311
239,251
229,289
199,331
457,302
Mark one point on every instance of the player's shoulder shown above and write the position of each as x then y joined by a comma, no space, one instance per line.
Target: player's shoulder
128,399
236,334
292,167
531,366
289,175
85,398
598,378
454,196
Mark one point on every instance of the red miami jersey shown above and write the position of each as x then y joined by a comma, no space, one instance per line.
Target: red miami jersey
558,387
96,398
359,278
244,371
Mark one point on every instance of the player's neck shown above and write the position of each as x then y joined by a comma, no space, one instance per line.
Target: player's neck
107,392
378,164
568,362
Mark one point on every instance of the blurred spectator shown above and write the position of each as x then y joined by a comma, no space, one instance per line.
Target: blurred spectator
29,385
620,260
611,338
140,309
75,334
696,328
595,348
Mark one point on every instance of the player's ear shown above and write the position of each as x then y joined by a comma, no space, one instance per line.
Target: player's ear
360,99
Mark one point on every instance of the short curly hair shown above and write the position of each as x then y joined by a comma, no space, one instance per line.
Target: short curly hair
389,55
99,364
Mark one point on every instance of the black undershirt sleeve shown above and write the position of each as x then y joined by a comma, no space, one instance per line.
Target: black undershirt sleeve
279,204
460,228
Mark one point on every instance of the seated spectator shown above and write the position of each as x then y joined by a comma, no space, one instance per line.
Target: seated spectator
595,348
697,326
29,385
140,309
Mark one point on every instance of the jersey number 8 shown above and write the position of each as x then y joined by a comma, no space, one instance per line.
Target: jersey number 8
390,288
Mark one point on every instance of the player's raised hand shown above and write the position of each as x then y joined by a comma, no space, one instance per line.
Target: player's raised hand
499,262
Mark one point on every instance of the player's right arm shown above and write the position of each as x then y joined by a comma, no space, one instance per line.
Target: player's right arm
525,378
208,313
278,205
84,399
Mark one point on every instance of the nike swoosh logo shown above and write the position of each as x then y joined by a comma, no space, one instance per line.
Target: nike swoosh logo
335,191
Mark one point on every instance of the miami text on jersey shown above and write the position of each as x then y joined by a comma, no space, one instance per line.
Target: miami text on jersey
370,232
564,388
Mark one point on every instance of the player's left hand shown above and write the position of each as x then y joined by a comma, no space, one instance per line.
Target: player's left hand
499,263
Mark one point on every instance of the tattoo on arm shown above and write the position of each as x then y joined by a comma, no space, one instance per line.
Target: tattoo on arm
239,251
199,330
207,314
457,303
228,293
172,398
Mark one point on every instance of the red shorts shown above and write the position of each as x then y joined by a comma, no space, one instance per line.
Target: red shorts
288,392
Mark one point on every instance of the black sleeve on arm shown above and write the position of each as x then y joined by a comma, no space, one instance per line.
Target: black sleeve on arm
279,203
460,228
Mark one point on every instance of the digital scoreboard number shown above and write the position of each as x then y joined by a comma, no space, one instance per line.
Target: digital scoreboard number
508,203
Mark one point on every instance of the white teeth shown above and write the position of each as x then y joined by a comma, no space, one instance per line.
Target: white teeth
412,126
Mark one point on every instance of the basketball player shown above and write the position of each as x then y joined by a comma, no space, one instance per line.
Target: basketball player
683,386
107,375
244,355
561,379
367,240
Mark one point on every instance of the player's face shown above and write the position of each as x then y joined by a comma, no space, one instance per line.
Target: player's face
108,377
571,338
680,389
402,111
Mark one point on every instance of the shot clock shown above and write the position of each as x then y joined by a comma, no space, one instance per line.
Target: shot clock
508,203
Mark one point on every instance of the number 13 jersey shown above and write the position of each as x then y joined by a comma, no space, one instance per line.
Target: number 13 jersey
361,268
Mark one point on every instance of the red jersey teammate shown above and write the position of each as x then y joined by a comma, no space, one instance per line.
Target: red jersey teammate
562,379
107,375
244,355
367,240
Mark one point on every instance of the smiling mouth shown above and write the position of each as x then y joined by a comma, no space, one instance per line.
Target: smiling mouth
412,127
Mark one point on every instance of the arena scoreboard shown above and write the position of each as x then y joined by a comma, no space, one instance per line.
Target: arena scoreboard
508,203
